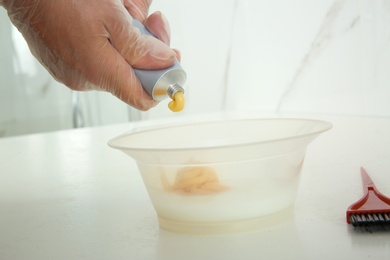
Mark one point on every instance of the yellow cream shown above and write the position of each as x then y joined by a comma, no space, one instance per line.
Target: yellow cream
195,180
177,103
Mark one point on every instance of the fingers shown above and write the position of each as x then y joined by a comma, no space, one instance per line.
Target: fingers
178,54
138,8
158,25
145,52
149,53
125,49
140,51
117,77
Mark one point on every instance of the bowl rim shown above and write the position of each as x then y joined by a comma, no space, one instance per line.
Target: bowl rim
140,130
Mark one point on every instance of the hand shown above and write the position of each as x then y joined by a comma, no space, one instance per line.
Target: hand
91,45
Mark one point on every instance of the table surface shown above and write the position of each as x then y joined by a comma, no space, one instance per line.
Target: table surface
67,195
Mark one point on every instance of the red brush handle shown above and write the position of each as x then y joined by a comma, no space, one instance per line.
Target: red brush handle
367,182
372,201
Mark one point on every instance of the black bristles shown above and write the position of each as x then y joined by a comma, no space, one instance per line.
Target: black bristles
371,222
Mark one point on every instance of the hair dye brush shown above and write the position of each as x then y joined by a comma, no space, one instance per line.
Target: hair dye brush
372,211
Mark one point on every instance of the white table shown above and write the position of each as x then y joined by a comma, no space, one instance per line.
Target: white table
67,195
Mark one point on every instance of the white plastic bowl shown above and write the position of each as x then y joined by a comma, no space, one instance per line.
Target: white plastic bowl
255,165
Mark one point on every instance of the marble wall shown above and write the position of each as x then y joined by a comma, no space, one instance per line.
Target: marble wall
302,56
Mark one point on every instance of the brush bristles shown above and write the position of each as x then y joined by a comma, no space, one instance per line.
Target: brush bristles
369,221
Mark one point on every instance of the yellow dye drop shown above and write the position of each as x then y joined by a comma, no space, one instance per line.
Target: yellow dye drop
177,103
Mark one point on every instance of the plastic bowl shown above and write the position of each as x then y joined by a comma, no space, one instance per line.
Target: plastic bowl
221,176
